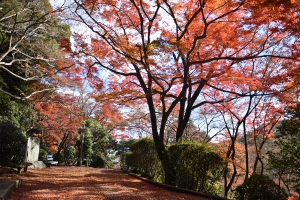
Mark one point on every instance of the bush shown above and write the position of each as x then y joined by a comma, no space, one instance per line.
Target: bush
260,186
126,162
43,155
13,144
144,160
97,161
197,167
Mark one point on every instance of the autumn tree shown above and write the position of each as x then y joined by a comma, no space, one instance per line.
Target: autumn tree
80,100
176,56
235,115
249,125
262,129
58,121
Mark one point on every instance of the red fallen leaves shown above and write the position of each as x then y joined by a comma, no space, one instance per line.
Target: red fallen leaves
86,183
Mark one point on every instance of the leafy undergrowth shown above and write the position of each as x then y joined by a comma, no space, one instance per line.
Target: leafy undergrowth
85,183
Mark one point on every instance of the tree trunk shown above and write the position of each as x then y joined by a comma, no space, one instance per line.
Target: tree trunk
230,156
246,151
62,144
170,175
258,158
81,150
168,167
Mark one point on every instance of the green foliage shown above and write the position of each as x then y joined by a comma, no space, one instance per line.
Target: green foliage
12,144
261,187
126,160
69,155
8,6
285,156
144,159
32,14
97,143
30,44
43,155
20,113
197,167
98,162
123,146
88,147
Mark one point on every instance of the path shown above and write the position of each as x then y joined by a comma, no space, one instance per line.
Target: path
87,183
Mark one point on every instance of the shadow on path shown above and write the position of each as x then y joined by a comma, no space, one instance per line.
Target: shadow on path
87,183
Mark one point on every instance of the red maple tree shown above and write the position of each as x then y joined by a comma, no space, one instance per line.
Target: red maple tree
177,56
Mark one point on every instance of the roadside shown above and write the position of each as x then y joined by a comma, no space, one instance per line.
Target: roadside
87,183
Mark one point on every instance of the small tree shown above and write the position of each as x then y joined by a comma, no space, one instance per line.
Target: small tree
96,142
12,144
69,154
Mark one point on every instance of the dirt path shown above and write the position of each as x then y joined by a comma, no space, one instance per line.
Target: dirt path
87,183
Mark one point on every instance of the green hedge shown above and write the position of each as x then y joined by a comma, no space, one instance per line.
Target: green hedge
197,167
143,159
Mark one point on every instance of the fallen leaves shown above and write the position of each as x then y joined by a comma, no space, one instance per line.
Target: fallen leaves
86,183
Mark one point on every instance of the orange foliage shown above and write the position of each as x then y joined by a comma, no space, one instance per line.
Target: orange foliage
176,56
58,120
295,196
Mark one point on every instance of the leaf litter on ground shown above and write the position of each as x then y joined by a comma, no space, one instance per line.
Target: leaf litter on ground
63,182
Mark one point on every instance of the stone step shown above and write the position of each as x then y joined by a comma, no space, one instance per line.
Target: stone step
7,187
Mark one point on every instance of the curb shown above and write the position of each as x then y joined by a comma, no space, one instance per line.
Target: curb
7,187
177,189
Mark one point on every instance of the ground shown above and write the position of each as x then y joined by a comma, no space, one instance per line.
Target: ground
86,183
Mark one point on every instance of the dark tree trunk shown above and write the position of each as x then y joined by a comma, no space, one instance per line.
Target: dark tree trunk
62,144
230,156
246,151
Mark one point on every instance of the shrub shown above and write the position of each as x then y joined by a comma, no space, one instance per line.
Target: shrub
126,162
12,144
97,161
197,167
144,160
260,186
43,155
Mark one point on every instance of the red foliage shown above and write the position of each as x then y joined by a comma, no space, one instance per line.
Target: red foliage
58,120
